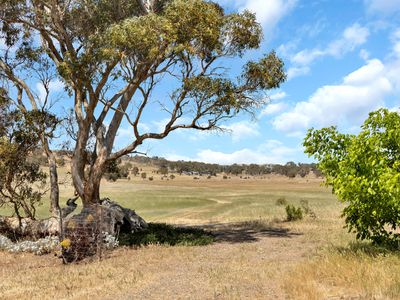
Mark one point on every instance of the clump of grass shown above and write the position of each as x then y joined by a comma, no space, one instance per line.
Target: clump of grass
293,213
281,201
164,234
306,208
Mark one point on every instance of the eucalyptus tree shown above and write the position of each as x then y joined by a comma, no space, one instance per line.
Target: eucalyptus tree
112,55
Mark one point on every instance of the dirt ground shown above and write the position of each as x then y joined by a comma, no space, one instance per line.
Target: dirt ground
247,261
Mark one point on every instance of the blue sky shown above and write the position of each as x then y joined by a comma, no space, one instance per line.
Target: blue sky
342,58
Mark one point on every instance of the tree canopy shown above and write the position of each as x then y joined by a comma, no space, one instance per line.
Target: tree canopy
111,55
364,172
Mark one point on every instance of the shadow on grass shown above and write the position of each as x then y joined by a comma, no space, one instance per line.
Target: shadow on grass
164,234
170,235
247,232
368,249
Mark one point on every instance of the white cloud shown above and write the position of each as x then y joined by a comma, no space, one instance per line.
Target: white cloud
297,71
273,108
364,54
159,125
270,152
126,135
347,103
242,130
382,6
395,38
268,12
351,38
288,48
278,96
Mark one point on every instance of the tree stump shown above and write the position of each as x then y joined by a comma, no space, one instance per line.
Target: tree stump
84,234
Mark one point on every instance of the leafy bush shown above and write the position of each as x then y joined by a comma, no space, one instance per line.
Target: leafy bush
293,213
22,182
364,172
164,234
281,201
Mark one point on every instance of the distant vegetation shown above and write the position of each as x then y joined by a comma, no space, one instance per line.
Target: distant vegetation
164,166
128,166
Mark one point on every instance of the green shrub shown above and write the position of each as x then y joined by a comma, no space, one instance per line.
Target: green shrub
281,201
293,213
363,171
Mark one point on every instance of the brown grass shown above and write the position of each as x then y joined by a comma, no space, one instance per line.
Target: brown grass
256,256
349,274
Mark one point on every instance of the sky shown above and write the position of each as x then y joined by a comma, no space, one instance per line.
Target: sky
342,59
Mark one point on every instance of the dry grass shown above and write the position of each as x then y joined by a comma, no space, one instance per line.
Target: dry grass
346,274
256,256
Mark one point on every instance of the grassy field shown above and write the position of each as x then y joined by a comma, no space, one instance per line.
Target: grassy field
257,255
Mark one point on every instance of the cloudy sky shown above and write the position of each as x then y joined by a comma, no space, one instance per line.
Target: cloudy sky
342,58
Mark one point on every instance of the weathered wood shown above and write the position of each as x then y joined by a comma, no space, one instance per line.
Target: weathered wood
11,227
125,218
71,206
85,233
119,219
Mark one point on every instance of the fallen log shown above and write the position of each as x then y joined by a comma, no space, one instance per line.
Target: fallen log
116,219
16,229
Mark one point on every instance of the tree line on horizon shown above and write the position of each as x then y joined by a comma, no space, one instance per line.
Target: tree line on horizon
290,169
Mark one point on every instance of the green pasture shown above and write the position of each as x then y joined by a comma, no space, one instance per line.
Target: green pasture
204,203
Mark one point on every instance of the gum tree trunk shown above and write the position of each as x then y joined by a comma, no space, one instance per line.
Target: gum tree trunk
54,188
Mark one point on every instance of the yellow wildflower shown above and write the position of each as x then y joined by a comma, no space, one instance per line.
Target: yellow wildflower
66,243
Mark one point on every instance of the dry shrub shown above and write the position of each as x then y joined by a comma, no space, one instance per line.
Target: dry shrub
281,201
